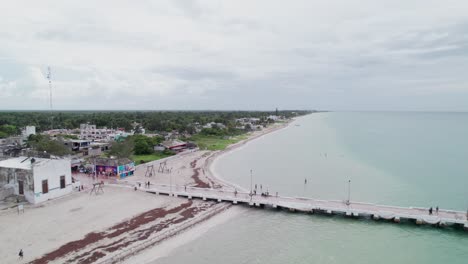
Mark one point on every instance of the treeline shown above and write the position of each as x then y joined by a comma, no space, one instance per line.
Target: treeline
152,121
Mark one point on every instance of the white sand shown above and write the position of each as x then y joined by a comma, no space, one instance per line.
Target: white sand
165,248
42,229
46,227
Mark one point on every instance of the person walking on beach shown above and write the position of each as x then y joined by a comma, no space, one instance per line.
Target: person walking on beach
430,211
20,254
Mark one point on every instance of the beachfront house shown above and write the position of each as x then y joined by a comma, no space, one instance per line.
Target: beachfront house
35,179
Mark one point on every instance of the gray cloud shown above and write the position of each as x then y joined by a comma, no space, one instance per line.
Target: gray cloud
206,54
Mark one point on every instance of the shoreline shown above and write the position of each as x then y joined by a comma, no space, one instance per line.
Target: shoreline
201,224
156,225
213,158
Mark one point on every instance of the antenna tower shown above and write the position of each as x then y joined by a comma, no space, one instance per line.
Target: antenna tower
49,77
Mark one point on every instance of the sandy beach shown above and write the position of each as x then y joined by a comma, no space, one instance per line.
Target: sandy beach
121,224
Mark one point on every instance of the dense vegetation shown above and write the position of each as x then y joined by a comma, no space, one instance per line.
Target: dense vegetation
7,130
152,121
139,148
45,144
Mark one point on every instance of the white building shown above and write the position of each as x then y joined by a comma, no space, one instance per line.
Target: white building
37,179
29,130
90,132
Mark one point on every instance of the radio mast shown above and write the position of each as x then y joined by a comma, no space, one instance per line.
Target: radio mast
49,77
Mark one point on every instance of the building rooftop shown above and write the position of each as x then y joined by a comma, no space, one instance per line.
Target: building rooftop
21,162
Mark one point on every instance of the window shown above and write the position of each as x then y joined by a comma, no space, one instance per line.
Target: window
45,187
62,182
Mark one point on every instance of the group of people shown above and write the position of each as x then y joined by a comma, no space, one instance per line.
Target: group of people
436,210
254,192
147,184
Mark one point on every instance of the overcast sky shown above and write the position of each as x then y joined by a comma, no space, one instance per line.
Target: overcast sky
259,55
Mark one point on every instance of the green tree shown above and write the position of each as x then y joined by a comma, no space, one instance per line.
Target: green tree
143,145
8,130
123,149
45,144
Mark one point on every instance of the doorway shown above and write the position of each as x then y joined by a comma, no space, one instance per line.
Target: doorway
21,187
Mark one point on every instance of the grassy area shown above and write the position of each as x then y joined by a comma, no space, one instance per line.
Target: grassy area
148,158
215,142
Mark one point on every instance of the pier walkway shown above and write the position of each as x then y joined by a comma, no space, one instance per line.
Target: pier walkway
352,209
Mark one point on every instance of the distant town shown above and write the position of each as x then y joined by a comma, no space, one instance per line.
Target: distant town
107,143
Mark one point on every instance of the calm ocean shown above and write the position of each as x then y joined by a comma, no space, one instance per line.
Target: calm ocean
406,159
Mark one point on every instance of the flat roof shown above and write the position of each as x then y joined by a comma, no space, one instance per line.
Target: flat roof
21,163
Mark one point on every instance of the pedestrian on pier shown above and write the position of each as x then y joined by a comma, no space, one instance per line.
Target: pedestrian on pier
20,254
235,192
430,211
185,187
437,210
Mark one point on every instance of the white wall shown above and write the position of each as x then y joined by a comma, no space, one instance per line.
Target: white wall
51,170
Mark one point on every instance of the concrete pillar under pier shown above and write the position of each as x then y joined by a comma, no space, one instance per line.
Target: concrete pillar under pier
234,201
251,204
349,214
465,226
275,206
375,217
329,212
204,198
219,200
419,221
396,219
292,210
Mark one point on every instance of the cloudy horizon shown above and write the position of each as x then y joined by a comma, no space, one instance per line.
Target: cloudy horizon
235,55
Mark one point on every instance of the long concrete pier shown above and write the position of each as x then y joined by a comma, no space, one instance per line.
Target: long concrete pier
351,209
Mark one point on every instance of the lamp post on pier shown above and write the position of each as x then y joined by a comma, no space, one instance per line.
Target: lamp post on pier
349,192
251,180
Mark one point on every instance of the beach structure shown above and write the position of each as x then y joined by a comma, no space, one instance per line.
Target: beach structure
329,207
174,145
120,168
35,179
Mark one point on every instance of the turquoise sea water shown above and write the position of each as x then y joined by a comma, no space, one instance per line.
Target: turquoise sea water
407,159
